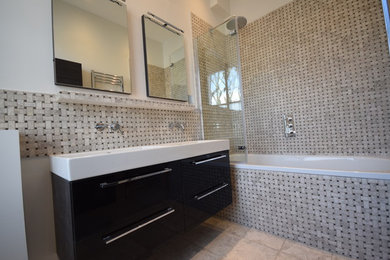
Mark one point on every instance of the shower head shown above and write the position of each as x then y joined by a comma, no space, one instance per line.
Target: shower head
231,24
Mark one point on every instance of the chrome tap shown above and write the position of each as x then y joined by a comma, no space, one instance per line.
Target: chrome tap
101,126
177,124
114,127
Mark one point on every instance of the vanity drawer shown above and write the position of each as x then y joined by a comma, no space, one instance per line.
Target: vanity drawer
107,203
135,241
207,203
202,173
206,186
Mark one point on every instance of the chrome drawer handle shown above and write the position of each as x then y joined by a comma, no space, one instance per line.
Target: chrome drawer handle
109,240
224,185
115,183
209,160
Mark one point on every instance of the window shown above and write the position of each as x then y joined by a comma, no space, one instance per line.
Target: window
224,89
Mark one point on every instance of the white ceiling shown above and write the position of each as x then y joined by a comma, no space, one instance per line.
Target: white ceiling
254,9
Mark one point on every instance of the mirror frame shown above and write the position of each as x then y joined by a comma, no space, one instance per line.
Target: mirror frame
123,3
146,57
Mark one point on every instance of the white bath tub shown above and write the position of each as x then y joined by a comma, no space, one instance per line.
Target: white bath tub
362,167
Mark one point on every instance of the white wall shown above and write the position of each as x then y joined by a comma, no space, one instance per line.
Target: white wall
26,42
254,9
13,235
155,53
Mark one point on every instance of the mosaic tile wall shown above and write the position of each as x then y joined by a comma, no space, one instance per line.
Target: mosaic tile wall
156,81
328,63
49,127
347,216
168,82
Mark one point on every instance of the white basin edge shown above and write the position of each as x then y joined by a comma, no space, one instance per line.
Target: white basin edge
73,167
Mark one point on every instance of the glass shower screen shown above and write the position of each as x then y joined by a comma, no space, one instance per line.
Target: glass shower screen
218,59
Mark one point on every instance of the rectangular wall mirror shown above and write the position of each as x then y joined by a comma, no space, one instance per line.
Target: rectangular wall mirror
165,64
91,44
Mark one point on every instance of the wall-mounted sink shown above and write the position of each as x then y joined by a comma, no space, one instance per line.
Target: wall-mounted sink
77,166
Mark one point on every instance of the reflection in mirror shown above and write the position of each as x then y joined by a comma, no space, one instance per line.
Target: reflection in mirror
91,45
165,64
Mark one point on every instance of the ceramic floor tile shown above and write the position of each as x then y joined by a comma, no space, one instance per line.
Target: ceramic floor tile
203,234
264,238
217,239
218,223
247,250
282,256
303,252
237,230
176,249
223,244
205,255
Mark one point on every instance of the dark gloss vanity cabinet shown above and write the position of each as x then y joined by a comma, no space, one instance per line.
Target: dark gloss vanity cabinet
124,215
206,186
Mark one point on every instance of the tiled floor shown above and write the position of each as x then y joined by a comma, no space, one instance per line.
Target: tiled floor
220,239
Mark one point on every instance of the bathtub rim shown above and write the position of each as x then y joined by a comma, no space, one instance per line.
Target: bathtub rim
315,171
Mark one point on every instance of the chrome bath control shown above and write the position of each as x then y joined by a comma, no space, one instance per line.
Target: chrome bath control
178,125
114,127
289,125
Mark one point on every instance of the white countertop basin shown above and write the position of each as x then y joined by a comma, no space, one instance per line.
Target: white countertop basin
76,166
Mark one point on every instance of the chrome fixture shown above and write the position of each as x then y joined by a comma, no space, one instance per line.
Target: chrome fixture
117,2
240,20
231,23
177,124
289,125
114,127
113,81
163,23
101,126
241,147
165,213
116,183
223,185
209,160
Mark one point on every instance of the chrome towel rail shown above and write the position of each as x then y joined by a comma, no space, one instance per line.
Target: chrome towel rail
103,78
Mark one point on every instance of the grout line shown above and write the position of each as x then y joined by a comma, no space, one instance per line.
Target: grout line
280,249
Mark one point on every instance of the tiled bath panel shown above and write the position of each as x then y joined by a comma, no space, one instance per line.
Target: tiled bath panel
326,62
49,127
346,216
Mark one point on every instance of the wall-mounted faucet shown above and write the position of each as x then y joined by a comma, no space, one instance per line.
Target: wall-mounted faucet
114,127
177,124
289,125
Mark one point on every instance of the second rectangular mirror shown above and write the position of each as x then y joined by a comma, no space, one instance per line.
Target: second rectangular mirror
165,63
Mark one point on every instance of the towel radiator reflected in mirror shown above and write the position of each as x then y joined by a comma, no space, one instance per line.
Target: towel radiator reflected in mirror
106,81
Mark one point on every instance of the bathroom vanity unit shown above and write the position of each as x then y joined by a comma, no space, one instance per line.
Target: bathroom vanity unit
120,204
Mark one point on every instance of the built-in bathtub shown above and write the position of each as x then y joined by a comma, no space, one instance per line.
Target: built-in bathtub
361,167
338,204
